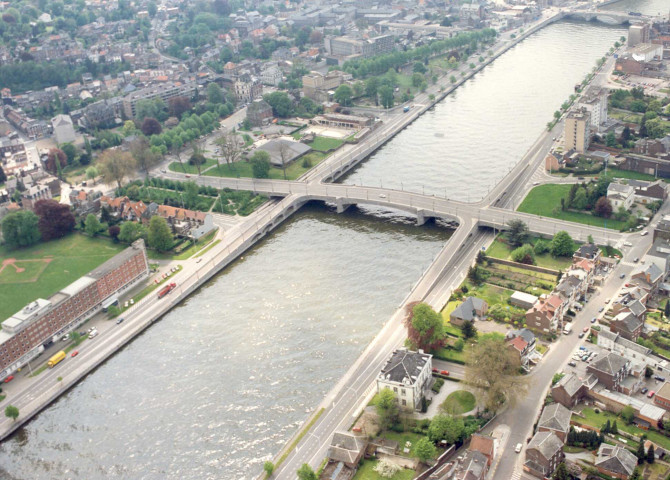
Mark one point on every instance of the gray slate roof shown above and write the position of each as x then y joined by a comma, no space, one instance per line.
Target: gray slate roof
570,383
473,466
404,364
628,320
555,417
616,459
547,443
465,309
587,251
345,447
609,363
293,150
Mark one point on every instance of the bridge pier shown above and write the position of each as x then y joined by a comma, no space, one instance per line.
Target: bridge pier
422,216
341,205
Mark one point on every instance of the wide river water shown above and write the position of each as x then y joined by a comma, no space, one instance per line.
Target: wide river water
220,383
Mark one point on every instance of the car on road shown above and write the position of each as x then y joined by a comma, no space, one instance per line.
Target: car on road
593,320
9,379
198,260
120,320
187,176
381,195
581,335
601,309
644,390
651,394
622,276
572,364
444,372
627,244
75,353
435,370
636,259
585,329
518,448
659,378
644,232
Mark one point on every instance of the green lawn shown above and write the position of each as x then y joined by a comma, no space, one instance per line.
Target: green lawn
598,419
458,402
243,169
545,200
491,294
501,250
191,169
402,438
366,472
69,258
449,355
624,115
617,173
323,144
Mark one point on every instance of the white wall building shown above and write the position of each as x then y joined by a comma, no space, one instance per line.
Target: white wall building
407,374
620,195
63,128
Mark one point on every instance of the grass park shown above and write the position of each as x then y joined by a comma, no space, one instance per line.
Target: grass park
366,472
502,250
458,402
244,170
545,201
45,268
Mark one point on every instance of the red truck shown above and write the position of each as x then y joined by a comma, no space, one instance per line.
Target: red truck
166,289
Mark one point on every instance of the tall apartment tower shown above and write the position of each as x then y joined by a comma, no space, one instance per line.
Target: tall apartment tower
577,130
638,33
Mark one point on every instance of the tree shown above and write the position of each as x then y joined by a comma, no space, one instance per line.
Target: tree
91,173
160,237
198,160
20,229
151,126
343,95
419,67
371,86
56,159
492,368
144,157
650,454
425,329
115,165
614,430
445,427
177,106
70,152
284,154
518,232
131,231
541,246
424,449
387,408
610,140
580,201
636,475
562,244
469,329
92,225
603,207
386,96
627,414
231,147
305,472
524,254
260,164
215,94
561,472
11,412
281,103
386,469
269,468
640,454
56,219
114,231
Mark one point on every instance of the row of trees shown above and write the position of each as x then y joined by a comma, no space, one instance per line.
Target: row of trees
50,220
285,105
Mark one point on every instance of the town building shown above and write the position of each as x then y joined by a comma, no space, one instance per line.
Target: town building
321,87
543,454
34,194
338,120
638,33
63,128
620,195
484,444
649,192
610,369
662,397
615,461
522,342
348,448
523,300
555,418
577,130
594,101
272,75
259,112
473,466
164,91
570,389
408,375
546,315
471,309
353,47
24,334
283,151
627,325
646,52
247,89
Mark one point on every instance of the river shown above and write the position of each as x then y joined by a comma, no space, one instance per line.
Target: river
219,384
646,7
466,143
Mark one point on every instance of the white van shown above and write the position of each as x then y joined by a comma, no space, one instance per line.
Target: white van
93,334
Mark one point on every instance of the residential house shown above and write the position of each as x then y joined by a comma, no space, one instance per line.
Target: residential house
183,222
659,254
408,375
247,88
553,162
348,448
85,202
615,461
588,251
617,344
650,278
662,397
473,466
34,194
259,112
485,445
620,195
543,454
471,309
555,418
610,369
649,192
546,315
522,343
570,389
63,128
627,325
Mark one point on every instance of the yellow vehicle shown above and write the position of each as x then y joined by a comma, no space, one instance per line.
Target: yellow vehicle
56,359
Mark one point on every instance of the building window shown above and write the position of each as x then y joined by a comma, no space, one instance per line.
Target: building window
403,392
404,403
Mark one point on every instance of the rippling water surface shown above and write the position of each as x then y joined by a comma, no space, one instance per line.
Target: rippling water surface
467,143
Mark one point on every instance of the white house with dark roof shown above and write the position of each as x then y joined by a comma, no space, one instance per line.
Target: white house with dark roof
615,461
407,374
620,195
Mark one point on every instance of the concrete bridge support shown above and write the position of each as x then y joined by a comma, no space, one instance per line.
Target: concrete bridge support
422,216
341,204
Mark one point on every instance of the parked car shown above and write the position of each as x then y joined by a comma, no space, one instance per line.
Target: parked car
659,378
120,320
581,335
585,329
9,379
623,275
644,232
636,259
601,309
650,394
518,448
444,372
75,353
572,364
593,320
644,390
435,370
